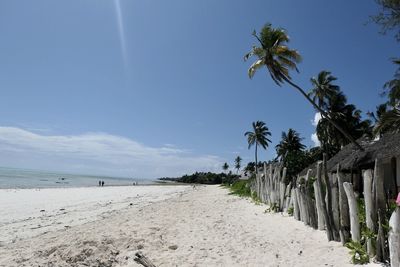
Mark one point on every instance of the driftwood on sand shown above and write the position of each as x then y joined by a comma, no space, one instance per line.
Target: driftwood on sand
143,260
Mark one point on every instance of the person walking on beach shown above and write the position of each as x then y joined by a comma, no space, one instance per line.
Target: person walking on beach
102,183
99,183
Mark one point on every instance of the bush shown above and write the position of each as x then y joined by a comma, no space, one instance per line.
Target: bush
358,253
241,188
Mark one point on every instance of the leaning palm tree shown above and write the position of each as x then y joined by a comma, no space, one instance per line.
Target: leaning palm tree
259,136
238,161
274,54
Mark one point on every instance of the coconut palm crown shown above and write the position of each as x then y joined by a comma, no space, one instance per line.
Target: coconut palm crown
290,142
259,136
238,161
274,54
323,89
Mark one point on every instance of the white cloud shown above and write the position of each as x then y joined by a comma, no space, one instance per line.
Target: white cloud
315,140
316,119
98,153
314,122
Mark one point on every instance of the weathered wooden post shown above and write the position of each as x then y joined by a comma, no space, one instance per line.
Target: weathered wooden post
282,189
324,209
311,211
329,210
381,251
296,211
369,209
335,202
318,203
354,221
380,206
394,238
344,230
287,197
265,188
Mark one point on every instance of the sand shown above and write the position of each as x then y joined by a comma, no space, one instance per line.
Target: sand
181,226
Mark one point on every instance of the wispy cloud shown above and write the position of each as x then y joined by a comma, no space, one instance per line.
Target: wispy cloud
316,119
314,122
98,153
315,139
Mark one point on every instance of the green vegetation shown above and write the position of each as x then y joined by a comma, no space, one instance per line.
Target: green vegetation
290,211
204,178
273,208
389,16
387,117
358,253
242,188
290,151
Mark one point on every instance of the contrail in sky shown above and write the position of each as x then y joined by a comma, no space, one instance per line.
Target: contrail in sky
121,31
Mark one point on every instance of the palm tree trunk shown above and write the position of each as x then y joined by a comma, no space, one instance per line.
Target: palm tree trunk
256,167
324,114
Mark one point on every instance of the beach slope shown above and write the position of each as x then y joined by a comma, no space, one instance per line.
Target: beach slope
204,226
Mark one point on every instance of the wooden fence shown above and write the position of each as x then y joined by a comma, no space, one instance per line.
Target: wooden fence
328,202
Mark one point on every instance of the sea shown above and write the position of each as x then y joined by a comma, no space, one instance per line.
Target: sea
11,178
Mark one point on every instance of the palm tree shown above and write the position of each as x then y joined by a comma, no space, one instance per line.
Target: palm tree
225,167
274,54
388,120
323,89
259,136
238,161
345,115
250,167
291,142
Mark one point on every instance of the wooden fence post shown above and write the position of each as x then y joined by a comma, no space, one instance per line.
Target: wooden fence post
344,230
335,203
296,211
287,196
265,188
318,203
329,210
369,209
380,206
354,221
394,238
282,188
324,209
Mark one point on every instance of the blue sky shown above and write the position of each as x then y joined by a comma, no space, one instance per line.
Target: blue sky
164,84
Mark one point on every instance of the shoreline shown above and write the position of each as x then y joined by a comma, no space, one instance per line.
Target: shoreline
26,213
155,183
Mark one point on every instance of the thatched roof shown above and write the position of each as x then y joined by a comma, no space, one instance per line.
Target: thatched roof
352,158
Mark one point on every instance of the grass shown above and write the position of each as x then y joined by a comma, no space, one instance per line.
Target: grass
242,188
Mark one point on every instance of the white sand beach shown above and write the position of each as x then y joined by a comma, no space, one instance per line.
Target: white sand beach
171,225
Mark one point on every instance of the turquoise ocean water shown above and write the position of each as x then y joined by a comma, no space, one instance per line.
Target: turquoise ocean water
21,178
